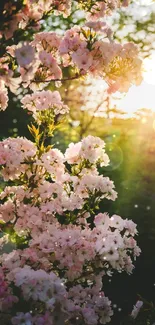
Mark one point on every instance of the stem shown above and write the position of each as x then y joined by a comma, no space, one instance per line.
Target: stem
77,76
83,130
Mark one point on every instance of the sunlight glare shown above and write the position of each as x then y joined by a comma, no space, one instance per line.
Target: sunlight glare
137,97
149,70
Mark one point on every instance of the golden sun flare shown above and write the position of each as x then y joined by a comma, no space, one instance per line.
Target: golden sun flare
149,70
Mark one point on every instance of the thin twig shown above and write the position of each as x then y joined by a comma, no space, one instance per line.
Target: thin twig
58,79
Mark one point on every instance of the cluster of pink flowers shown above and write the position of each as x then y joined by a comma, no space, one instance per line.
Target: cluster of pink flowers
90,149
44,101
7,299
86,304
100,9
53,211
32,11
56,248
30,14
80,49
13,154
67,191
7,80
101,246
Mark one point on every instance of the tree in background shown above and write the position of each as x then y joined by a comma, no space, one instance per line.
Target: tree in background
136,24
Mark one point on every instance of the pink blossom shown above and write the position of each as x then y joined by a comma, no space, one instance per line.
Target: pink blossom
117,222
136,309
22,318
72,153
46,41
25,54
102,219
44,100
3,98
83,59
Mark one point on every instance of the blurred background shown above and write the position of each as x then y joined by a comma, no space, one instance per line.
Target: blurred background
127,124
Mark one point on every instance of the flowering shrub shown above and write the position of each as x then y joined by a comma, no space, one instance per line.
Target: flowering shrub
88,50
64,246
50,206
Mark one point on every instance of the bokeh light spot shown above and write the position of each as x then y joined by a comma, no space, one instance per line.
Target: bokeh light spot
115,155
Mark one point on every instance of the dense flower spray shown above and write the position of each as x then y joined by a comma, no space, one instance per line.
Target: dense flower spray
50,206
64,246
88,50
28,13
